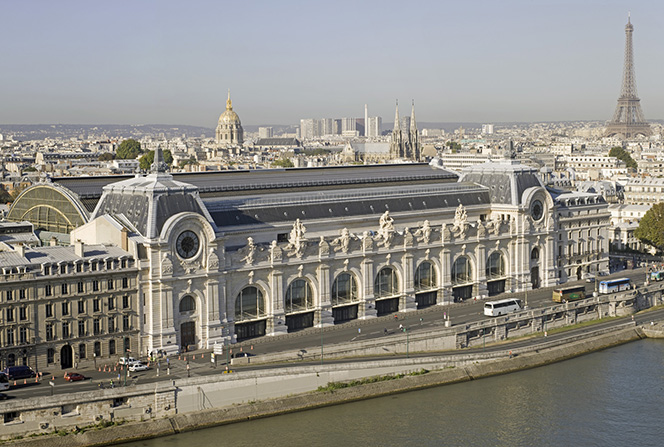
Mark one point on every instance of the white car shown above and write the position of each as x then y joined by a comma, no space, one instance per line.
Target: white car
137,366
126,360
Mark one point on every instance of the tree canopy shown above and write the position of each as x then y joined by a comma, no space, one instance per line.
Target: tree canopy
106,156
623,155
283,163
147,159
651,227
129,149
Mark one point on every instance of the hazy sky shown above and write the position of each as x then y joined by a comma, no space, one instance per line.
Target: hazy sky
171,62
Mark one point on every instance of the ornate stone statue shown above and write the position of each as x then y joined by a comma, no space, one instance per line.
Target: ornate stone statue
447,234
423,233
343,241
275,252
481,229
367,242
212,260
249,251
166,265
386,230
460,222
323,247
407,237
296,240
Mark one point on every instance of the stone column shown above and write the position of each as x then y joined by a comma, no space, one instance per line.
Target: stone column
324,311
480,256
276,322
445,297
367,306
407,302
212,328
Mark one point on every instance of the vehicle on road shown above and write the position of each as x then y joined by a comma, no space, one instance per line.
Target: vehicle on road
126,360
501,307
137,366
242,354
615,285
4,382
589,278
569,294
19,372
3,396
657,276
74,377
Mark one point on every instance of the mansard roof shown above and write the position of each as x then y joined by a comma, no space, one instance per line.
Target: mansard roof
506,179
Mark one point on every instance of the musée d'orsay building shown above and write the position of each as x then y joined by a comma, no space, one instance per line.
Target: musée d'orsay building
225,256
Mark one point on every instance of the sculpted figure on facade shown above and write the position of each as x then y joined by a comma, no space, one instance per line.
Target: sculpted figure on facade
481,230
166,264
296,241
323,247
386,229
276,253
460,222
407,238
343,241
367,242
249,251
494,226
212,260
423,233
446,233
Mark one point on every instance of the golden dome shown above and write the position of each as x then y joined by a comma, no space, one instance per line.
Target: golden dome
229,116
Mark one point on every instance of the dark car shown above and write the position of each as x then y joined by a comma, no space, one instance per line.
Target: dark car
19,372
74,377
242,354
3,396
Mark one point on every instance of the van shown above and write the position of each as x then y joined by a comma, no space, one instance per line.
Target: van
19,372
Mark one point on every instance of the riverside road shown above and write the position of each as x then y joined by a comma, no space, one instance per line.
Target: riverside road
199,362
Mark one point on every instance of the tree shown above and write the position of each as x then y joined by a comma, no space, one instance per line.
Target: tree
129,149
622,154
283,163
106,156
651,227
189,161
147,159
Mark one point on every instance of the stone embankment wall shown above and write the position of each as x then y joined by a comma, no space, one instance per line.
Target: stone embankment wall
200,401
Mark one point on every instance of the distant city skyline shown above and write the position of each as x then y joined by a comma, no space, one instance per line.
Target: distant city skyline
167,62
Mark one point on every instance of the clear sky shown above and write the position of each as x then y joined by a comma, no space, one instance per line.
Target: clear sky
172,62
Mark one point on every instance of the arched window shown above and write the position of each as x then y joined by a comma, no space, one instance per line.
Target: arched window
535,254
187,304
249,304
495,265
462,271
344,289
386,283
299,296
425,276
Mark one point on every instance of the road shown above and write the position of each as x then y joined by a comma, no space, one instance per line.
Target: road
421,320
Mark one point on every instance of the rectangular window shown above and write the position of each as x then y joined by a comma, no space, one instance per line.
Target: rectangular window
82,351
111,324
23,336
47,290
109,265
95,286
96,326
65,330
50,355
123,263
10,314
125,283
49,310
80,287
63,269
110,284
49,332
65,308
111,303
81,328
64,289
21,294
10,295
81,307
23,313
79,268
93,266
125,322
125,302
10,337
96,305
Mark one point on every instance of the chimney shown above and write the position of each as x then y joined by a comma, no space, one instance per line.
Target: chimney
20,249
54,241
124,239
79,248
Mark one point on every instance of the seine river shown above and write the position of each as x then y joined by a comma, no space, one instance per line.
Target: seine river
609,398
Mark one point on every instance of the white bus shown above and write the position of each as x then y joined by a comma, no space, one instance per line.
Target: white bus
501,307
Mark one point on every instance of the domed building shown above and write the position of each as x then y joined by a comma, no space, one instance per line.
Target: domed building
229,129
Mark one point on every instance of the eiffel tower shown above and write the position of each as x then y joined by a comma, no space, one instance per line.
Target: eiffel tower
628,120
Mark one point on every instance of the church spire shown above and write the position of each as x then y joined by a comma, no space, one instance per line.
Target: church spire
229,103
413,125
397,125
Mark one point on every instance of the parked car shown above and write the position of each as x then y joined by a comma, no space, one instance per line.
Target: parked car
73,377
19,372
137,366
126,360
590,278
242,354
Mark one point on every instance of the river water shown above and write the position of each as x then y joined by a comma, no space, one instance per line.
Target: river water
609,398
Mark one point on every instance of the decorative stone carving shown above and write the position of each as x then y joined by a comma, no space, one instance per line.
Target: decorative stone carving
300,269
407,238
212,260
386,230
460,222
323,247
166,264
343,241
190,266
251,277
367,242
527,224
423,233
275,253
481,230
446,233
249,251
346,265
494,226
296,240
